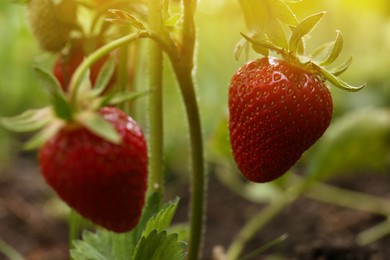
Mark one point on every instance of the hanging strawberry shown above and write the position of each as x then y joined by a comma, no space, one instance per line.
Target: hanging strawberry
279,107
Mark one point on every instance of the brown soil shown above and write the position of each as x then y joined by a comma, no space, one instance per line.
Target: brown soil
315,230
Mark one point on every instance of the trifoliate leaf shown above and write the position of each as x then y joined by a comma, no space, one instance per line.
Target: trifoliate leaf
161,246
335,80
340,69
334,50
104,77
95,123
97,246
303,28
284,13
108,245
162,220
30,120
358,141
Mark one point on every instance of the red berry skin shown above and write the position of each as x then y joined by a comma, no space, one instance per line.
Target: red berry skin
102,181
277,110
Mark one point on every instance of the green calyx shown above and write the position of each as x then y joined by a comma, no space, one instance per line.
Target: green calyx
69,109
270,36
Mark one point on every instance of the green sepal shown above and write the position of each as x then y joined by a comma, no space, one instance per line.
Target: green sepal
275,33
119,98
241,46
284,13
160,245
62,107
44,135
30,120
343,67
263,44
60,102
99,126
104,77
301,44
48,81
334,50
335,80
123,17
303,28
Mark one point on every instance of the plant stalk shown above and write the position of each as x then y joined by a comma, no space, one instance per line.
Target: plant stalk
156,173
261,219
183,65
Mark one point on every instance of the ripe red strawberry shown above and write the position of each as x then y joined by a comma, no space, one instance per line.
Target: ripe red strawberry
277,111
104,182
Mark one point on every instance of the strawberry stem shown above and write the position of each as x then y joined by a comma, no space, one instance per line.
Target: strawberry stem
156,142
183,68
95,56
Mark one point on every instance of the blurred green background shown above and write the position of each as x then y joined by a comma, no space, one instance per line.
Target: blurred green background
365,25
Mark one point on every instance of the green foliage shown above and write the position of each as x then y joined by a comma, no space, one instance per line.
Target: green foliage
149,239
356,142
159,246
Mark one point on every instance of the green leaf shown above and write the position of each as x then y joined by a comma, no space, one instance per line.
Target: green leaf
44,135
303,28
30,120
254,14
340,69
284,13
160,246
104,77
162,220
334,50
99,126
109,245
48,81
358,141
336,81
97,246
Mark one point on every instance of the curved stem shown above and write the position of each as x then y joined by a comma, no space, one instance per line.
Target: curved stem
156,176
183,67
261,219
198,180
95,56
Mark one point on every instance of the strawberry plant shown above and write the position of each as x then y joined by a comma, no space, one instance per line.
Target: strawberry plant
109,168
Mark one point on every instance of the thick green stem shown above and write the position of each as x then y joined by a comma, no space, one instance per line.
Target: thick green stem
156,173
183,66
198,180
